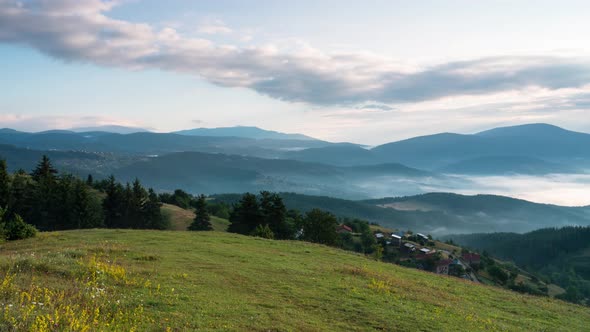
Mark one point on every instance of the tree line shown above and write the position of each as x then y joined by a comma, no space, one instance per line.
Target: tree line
51,201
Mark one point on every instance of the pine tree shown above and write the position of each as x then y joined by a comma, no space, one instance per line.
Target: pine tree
4,185
44,170
202,220
113,204
246,215
153,214
274,214
90,180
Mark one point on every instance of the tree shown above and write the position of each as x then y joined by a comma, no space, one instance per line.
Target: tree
274,214
153,213
113,203
4,185
320,227
16,228
246,215
202,220
90,180
44,170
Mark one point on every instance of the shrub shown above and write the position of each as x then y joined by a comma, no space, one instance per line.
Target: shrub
17,229
263,232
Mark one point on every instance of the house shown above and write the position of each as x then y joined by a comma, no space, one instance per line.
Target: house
343,229
379,236
425,250
442,266
409,247
422,236
471,258
396,240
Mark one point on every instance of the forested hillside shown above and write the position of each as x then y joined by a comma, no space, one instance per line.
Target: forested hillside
558,255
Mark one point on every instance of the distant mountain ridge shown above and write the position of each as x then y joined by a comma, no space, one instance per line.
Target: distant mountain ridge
533,149
242,131
115,129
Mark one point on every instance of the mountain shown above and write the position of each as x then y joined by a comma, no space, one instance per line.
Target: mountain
537,130
545,142
441,213
242,131
115,129
146,143
209,281
217,173
336,154
507,165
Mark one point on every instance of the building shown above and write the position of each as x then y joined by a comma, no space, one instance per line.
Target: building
396,240
425,250
379,236
409,247
422,236
471,258
343,229
442,266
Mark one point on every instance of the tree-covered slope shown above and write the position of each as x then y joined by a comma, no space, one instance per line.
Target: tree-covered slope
150,280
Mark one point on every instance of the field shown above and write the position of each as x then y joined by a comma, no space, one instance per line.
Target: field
123,280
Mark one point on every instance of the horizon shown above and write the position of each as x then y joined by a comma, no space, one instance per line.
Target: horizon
184,65
177,131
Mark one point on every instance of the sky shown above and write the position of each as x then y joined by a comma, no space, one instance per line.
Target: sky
368,72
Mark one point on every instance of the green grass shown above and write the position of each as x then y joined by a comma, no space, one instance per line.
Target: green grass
221,281
180,218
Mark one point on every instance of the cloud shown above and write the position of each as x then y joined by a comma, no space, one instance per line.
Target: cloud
75,30
380,107
40,123
213,27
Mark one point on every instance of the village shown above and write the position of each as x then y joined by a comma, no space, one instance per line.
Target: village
420,251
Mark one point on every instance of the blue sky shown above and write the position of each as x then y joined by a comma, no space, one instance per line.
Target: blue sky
362,71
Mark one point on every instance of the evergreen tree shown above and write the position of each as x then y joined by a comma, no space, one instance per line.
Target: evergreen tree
274,214
153,214
202,220
86,210
246,215
45,202
136,206
113,204
44,170
90,180
4,185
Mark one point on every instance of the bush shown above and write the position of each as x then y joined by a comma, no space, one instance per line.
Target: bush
263,232
17,229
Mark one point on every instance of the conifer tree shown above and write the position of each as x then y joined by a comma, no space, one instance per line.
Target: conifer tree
153,214
246,215
44,170
202,220
4,185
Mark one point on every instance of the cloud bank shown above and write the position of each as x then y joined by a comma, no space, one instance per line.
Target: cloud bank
76,30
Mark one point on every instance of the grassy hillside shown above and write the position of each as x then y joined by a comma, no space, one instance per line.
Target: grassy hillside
150,280
180,218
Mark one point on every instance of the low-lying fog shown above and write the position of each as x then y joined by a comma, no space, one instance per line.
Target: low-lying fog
560,189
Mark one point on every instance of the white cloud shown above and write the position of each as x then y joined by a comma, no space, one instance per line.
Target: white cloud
40,123
82,31
213,27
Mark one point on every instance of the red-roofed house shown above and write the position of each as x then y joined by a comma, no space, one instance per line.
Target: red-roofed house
343,229
471,258
442,266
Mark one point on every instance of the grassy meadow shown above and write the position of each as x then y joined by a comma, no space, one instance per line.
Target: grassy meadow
132,280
